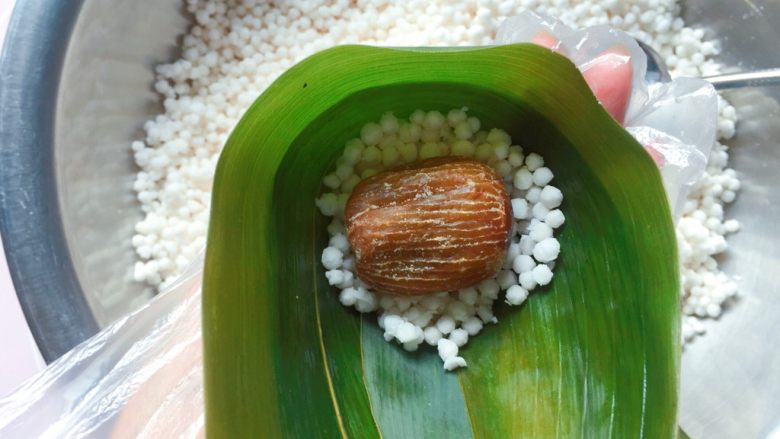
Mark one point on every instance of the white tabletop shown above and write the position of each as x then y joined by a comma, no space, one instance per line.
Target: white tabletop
19,356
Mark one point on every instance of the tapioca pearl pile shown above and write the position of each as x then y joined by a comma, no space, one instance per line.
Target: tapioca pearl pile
235,49
446,319
701,232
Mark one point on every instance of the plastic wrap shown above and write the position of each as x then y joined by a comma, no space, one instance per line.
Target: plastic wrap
676,122
142,376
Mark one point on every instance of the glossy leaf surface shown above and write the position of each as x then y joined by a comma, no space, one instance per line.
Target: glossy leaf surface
594,355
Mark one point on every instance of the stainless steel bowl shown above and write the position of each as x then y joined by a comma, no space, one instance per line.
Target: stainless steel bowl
76,89
731,376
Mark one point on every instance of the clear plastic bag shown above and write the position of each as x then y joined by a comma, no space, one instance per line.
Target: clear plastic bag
676,121
142,376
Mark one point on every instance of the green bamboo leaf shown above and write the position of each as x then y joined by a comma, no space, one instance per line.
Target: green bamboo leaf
411,394
596,355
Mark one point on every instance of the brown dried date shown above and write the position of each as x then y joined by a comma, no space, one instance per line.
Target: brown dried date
436,225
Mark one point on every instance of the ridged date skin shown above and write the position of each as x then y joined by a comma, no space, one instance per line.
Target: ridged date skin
437,225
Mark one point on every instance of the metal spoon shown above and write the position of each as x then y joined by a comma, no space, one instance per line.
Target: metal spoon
658,72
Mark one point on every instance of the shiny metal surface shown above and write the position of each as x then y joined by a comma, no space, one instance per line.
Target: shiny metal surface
730,379
105,96
75,91
34,238
657,71
756,78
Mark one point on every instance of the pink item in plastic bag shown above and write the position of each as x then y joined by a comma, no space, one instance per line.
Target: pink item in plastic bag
545,39
609,77
657,157
676,122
